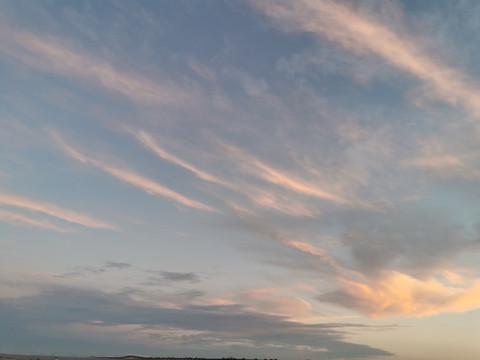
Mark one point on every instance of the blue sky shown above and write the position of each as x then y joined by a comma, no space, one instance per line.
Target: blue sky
270,179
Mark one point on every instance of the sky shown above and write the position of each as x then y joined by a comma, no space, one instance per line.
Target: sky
264,179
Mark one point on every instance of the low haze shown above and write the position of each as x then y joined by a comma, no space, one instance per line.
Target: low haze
260,179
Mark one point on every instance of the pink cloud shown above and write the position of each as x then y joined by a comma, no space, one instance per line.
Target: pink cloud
52,210
16,219
310,249
132,178
282,204
149,142
272,301
435,162
264,198
250,164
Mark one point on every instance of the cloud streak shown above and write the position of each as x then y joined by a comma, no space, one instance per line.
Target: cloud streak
17,219
314,250
49,55
52,210
364,35
254,224
149,186
254,166
149,142
265,198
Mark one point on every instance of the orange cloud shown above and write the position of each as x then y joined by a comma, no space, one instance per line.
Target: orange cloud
400,294
363,35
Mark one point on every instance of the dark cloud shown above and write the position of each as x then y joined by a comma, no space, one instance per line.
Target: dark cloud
82,272
162,277
179,276
56,306
155,278
341,298
89,270
407,238
117,265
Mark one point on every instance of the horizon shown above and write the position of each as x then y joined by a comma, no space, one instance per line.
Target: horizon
15,356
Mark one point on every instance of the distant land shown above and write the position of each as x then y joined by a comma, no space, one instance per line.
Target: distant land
113,357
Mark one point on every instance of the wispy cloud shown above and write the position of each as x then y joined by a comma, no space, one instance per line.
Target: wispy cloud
451,155
280,203
364,35
251,221
53,210
17,219
263,197
250,164
435,162
150,143
132,178
48,54
314,250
